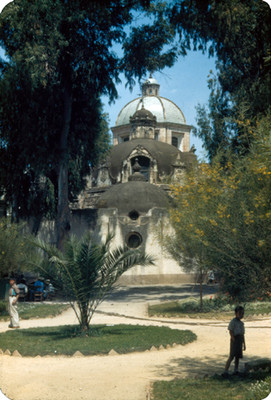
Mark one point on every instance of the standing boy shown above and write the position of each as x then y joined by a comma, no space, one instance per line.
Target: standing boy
237,343
12,304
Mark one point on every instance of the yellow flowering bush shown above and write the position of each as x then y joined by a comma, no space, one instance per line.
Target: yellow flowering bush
222,218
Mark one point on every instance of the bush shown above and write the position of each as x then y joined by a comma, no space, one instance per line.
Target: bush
212,306
15,249
3,308
192,305
222,219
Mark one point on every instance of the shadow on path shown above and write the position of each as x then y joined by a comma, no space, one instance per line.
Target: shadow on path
159,292
197,366
192,366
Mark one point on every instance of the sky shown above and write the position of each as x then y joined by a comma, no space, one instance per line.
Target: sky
185,84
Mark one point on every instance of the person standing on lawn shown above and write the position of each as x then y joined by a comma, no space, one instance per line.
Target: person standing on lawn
237,341
12,304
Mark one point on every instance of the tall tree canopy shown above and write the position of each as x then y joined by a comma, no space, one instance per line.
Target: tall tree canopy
238,32
221,213
60,61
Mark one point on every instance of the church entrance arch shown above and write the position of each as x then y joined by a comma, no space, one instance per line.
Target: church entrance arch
144,163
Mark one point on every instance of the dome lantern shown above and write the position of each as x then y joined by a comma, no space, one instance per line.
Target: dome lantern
143,117
150,87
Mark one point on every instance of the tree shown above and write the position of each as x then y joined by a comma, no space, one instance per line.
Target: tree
221,217
215,125
14,248
238,33
88,271
60,61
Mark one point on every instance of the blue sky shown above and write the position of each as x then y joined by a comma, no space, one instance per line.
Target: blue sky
185,84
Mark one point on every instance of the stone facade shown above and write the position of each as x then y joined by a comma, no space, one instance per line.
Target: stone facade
128,194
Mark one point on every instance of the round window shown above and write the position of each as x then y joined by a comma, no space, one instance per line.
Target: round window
134,240
134,215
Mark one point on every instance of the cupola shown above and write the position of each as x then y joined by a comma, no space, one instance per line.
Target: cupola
150,87
143,117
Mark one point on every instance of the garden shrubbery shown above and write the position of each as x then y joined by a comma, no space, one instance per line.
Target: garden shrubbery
254,386
211,306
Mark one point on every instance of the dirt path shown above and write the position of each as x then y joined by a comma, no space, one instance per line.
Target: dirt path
125,377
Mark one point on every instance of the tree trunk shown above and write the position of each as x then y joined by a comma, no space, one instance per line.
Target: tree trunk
36,225
63,210
200,290
84,323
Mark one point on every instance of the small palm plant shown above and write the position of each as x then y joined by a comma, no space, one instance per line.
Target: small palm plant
88,271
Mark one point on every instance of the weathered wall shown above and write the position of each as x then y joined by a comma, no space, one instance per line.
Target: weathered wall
150,227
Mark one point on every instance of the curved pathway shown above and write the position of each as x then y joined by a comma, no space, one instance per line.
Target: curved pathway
128,376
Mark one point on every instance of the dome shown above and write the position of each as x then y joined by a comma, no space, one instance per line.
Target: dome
163,153
133,196
163,109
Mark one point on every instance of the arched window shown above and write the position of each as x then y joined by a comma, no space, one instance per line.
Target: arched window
174,141
144,163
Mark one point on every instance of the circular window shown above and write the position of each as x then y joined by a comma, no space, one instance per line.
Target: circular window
134,240
133,215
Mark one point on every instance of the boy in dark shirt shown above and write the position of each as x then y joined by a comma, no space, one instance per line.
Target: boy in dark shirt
237,342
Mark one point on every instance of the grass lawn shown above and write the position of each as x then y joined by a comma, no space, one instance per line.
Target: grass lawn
31,310
211,309
100,339
255,386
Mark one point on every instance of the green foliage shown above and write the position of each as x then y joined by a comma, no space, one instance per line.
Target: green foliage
15,250
60,61
146,43
218,307
216,128
87,271
31,310
99,339
254,386
238,33
191,306
3,309
221,216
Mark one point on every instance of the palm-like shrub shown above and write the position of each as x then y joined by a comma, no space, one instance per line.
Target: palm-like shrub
88,271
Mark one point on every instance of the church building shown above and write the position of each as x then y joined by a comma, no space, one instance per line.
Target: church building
128,194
